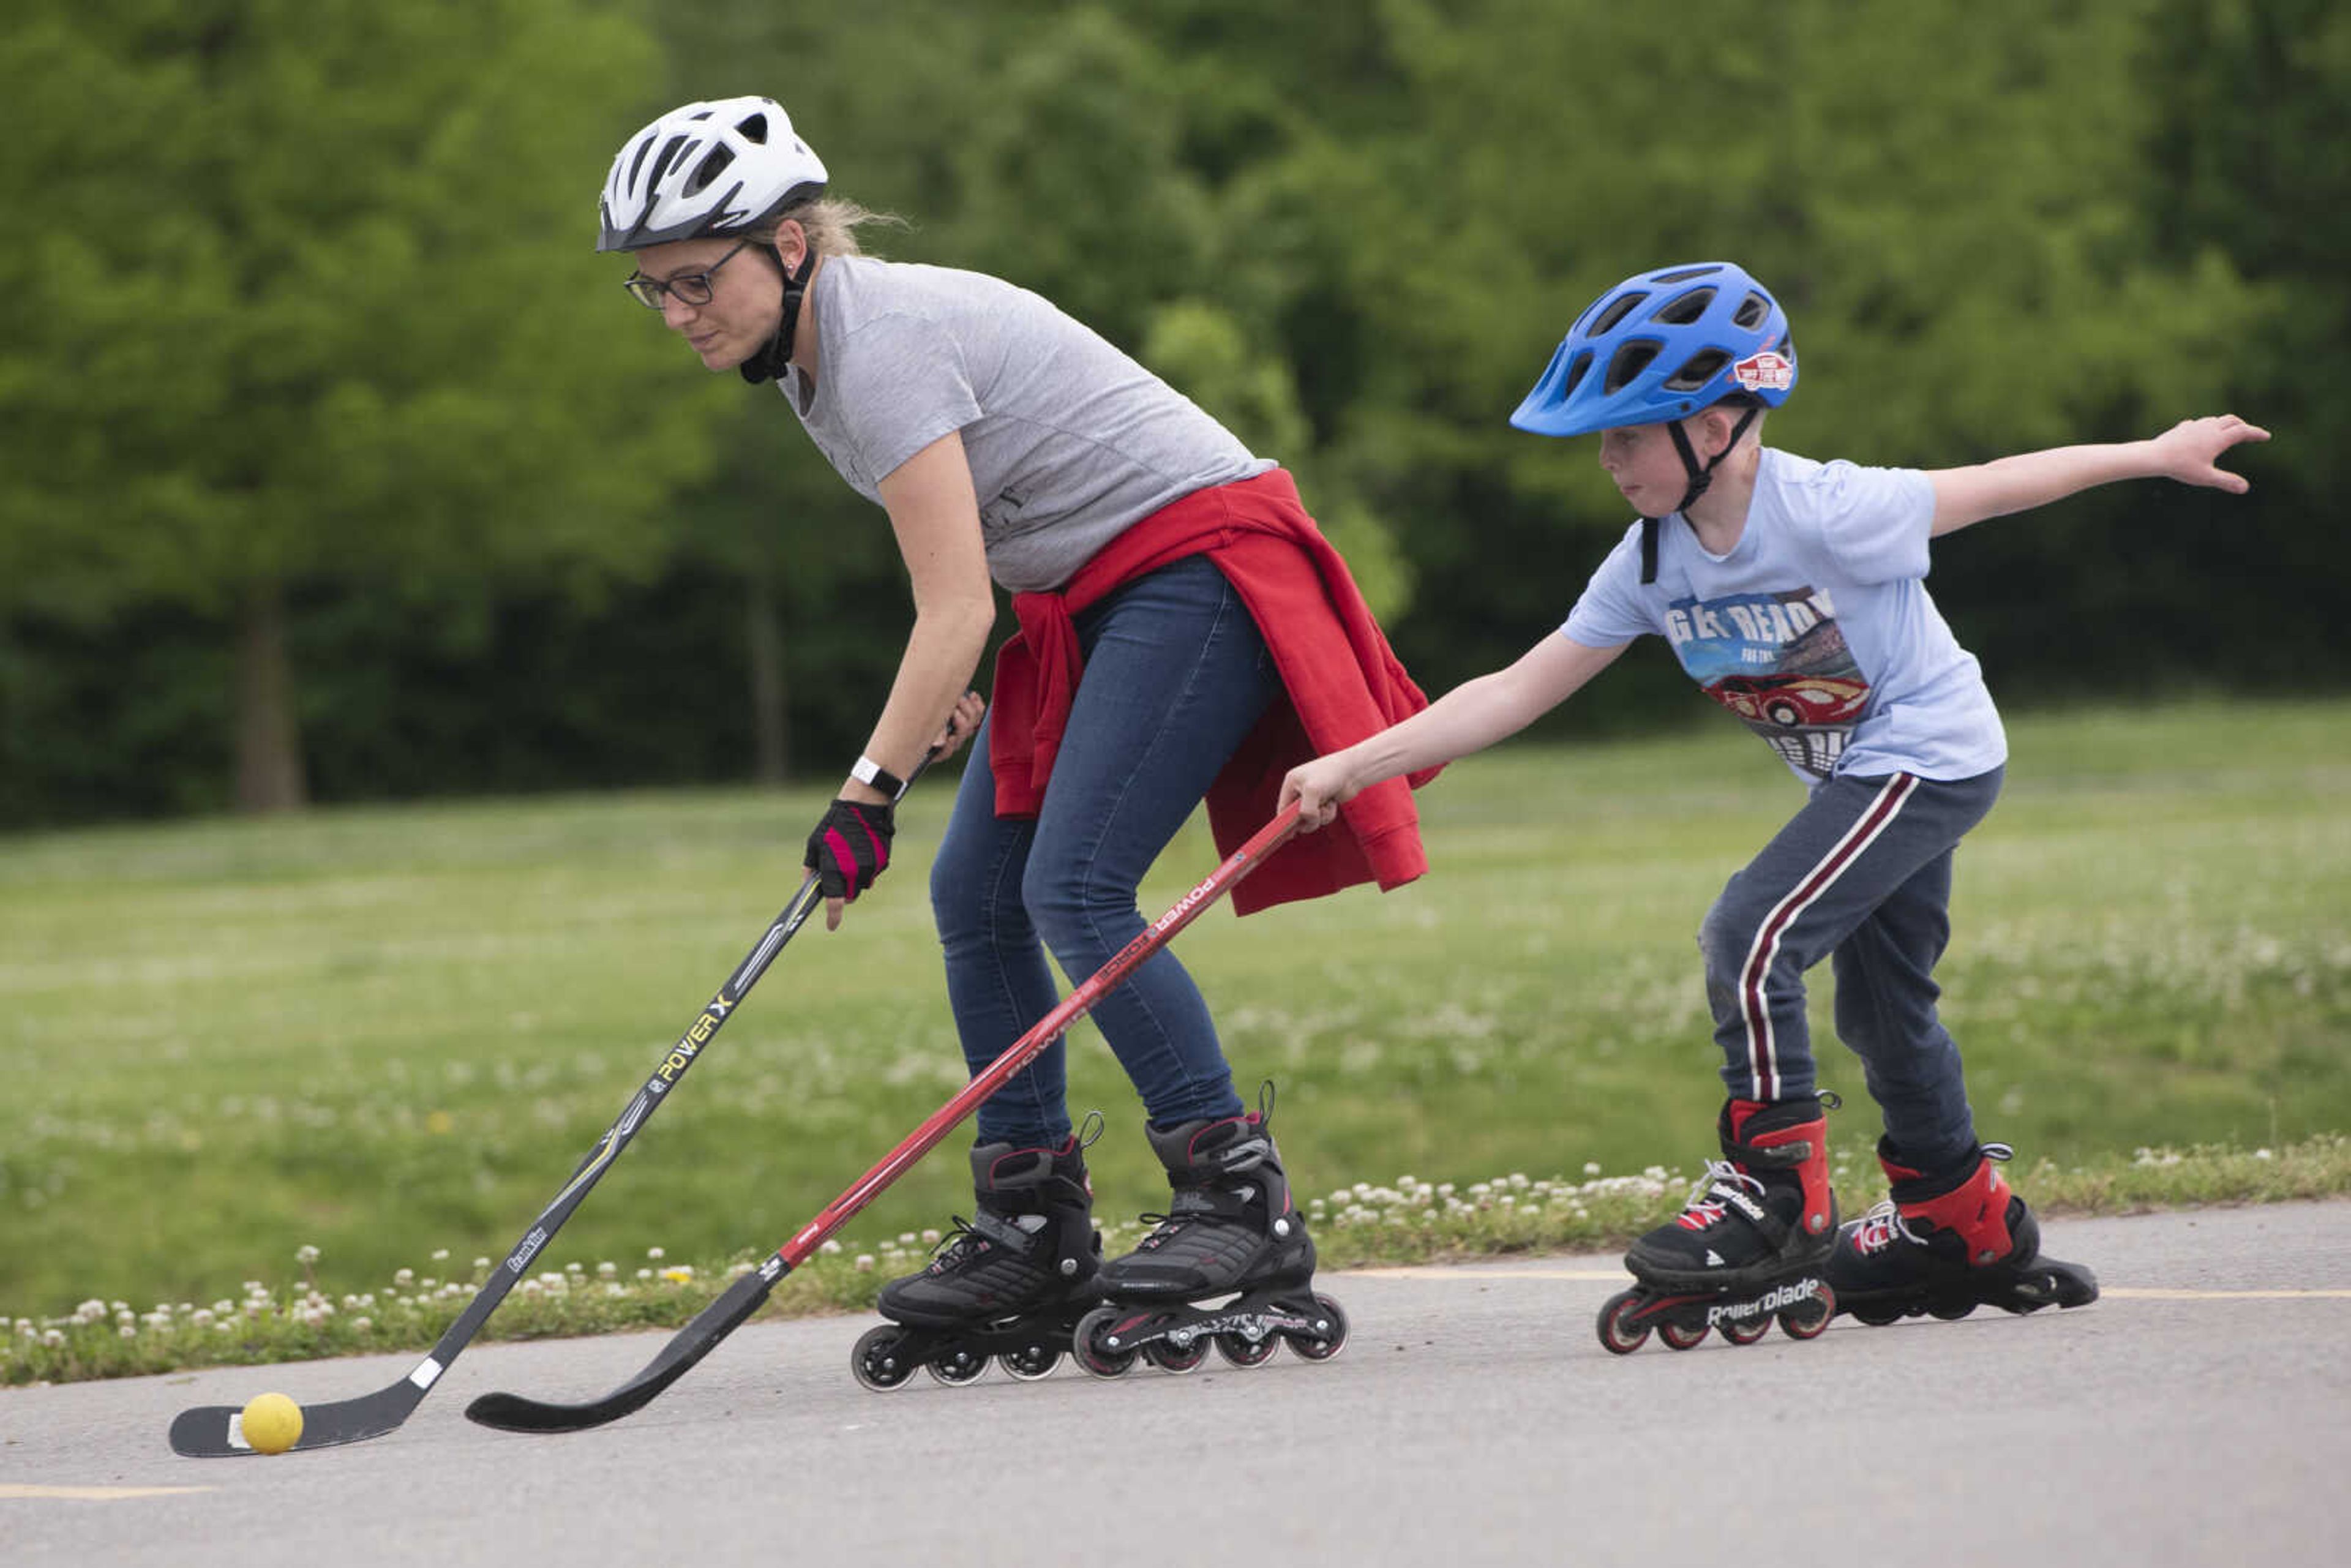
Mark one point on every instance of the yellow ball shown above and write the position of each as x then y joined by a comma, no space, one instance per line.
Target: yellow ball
271,1424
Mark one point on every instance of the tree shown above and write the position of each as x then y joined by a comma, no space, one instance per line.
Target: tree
308,293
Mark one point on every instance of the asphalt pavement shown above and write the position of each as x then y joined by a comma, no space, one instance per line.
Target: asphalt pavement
2200,1413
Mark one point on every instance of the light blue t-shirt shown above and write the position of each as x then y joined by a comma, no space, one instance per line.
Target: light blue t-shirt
1817,629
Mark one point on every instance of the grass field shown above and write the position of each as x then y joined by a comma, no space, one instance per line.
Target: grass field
386,1032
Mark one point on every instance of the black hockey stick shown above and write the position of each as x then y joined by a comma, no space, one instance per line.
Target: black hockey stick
516,1413
216,1431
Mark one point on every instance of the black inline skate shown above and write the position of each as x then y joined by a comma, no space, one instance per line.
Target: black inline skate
1230,1231
1010,1282
1947,1244
1752,1245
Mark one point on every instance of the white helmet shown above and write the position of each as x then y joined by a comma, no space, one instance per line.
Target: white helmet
710,168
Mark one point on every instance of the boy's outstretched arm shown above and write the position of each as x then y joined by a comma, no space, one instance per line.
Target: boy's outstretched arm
1470,717
2187,452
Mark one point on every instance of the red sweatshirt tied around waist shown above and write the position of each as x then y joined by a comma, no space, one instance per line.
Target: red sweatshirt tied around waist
1341,681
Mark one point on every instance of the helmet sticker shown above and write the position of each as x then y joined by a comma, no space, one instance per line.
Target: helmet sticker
1764,371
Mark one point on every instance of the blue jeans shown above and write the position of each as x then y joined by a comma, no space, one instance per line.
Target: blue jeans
1176,675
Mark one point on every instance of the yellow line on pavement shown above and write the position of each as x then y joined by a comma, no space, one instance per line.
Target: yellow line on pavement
2138,1293
1470,1275
95,1494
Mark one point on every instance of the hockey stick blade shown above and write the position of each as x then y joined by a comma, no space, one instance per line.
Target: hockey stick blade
515,1413
518,1413
216,1431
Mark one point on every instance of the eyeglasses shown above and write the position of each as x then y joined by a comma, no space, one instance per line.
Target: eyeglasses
691,288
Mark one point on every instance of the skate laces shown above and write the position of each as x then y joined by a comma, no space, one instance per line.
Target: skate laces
1711,1196
1874,1232
970,1239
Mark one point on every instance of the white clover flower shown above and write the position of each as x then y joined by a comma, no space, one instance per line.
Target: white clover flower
203,1318
614,1288
440,1254
930,1238
305,1254
607,1271
122,1306
126,1332
645,1273
52,1338
655,1253
1591,1167
480,1263
832,1244
2262,1154
361,1325
864,1264
404,1277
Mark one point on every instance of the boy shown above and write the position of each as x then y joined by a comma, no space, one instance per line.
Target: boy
1792,591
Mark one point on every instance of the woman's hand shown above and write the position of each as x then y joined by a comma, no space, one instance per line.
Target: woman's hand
961,725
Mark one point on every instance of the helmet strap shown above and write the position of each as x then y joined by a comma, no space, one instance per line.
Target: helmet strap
1701,476
768,363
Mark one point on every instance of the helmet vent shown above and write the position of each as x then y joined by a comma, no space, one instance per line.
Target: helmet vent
1576,370
1685,308
1701,368
712,167
753,129
1683,275
1630,362
1752,312
1614,313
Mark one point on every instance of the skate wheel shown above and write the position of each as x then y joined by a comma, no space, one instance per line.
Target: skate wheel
1747,1334
1618,1331
1330,1337
1167,1356
1951,1312
1030,1362
1679,1338
1876,1317
1243,1351
1087,1350
873,1362
1808,1321
957,1367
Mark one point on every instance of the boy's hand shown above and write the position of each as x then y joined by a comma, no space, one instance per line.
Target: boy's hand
1318,787
2188,451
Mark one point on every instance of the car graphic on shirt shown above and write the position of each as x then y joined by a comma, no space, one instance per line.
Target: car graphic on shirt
1792,702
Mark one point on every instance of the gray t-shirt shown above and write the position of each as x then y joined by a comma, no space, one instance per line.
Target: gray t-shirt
1071,442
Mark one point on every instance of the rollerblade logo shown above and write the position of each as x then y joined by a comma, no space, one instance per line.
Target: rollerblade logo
1794,1292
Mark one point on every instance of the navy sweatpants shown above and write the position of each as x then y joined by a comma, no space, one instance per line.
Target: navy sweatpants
1863,872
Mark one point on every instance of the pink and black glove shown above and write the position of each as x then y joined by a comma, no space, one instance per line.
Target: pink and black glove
851,847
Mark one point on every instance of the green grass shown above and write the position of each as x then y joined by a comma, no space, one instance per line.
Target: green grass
391,1031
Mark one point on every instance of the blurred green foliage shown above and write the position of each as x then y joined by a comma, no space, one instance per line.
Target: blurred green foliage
301,332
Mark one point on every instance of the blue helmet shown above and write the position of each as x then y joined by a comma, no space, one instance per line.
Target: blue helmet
1661,346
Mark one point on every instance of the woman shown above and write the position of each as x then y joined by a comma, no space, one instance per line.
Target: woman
1150,555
